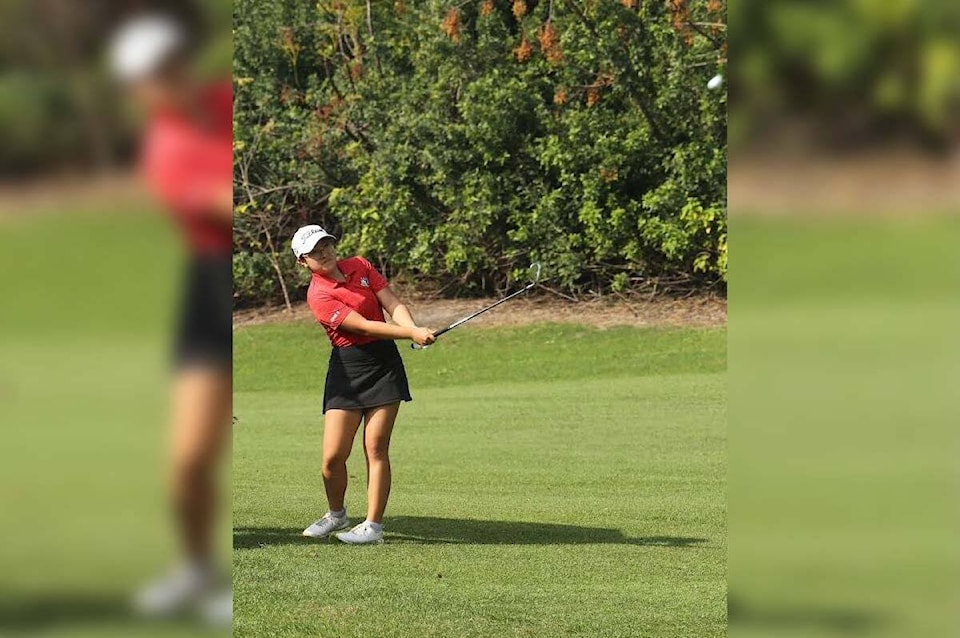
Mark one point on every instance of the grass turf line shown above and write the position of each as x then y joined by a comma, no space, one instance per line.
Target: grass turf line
548,480
84,380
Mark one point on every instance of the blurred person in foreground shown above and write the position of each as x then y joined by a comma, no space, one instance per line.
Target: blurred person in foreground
186,160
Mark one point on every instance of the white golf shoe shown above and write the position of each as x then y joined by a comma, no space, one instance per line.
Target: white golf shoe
217,609
326,526
362,534
176,593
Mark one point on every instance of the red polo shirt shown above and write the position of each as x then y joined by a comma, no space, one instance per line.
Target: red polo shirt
332,300
187,162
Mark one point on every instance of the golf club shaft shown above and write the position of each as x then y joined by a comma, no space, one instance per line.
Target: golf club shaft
476,314
480,312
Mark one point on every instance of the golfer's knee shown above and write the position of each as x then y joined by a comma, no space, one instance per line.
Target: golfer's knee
377,451
334,463
193,467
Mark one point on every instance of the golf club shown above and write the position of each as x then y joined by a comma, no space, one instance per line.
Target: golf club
535,267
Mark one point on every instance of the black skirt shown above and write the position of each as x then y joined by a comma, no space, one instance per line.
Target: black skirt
366,376
204,333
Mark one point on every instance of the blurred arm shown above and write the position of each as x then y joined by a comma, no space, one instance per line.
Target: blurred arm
222,205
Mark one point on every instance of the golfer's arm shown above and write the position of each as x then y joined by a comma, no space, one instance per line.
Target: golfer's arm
221,206
355,322
395,308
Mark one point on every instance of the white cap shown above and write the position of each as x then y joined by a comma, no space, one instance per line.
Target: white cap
142,45
306,238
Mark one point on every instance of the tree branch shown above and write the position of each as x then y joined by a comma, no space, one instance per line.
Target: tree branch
696,27
373,39
636,97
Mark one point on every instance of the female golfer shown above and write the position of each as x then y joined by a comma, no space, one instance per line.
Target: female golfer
187,162
365,378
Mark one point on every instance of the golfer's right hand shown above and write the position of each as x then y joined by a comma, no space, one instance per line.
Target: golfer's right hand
422,336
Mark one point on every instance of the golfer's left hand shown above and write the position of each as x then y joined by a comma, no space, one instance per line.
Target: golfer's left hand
422,336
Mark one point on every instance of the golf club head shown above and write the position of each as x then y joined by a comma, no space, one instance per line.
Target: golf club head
534,270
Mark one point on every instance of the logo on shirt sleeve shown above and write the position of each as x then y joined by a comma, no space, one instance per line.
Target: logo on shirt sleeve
364,282
334,316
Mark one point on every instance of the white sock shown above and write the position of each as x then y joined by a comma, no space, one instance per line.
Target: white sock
377,527
200,569
339,514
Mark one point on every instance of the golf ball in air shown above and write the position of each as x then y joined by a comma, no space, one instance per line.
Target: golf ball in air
715,82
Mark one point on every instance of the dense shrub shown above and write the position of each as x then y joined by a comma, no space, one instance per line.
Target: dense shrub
59,107
860,71
458,142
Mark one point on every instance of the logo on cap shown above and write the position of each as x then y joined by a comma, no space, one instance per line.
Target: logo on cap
302,242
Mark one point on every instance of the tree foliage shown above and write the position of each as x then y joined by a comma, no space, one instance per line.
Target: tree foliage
859,70
455,143
58,104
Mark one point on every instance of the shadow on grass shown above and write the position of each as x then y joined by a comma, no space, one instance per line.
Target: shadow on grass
55,611
847,621
430,530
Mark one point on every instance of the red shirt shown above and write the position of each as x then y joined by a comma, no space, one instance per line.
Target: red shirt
188,162
331,301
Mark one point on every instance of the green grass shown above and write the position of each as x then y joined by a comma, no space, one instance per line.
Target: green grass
548,481
84,382
843,443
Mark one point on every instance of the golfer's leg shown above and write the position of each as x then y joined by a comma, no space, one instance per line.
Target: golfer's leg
202,400
376,446
339,428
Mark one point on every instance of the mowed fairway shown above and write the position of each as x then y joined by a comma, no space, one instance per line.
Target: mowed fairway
84,379
548,481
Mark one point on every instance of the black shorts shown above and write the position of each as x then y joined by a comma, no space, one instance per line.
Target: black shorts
204,333
366,376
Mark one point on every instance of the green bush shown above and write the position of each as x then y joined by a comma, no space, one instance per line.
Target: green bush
254,278
858,69
37,123
457,143
59,107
